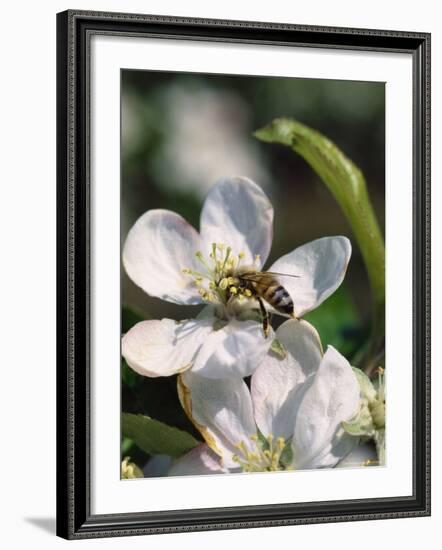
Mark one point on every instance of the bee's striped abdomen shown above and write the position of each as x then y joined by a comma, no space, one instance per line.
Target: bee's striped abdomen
277,296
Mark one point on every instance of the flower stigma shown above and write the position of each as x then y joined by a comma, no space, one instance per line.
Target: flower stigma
265,457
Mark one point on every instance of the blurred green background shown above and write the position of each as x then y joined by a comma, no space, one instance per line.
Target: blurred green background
181,132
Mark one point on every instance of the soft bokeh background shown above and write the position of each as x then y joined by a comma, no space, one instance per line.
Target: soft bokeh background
181,132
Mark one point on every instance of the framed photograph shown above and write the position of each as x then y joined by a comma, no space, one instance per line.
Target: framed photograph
243,274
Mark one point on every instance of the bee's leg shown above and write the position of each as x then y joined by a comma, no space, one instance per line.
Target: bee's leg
293,314
265,316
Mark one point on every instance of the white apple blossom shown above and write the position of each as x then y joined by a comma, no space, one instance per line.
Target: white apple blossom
289,419
169,259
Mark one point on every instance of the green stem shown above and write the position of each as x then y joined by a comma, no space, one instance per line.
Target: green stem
347,185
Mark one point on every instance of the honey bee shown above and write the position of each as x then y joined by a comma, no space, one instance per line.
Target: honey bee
262,286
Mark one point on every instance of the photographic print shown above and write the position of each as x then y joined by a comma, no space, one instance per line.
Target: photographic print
252,274
243,273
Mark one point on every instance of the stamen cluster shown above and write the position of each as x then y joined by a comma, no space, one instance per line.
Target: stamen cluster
217,281
266,456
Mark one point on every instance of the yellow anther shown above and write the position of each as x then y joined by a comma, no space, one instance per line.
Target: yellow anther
248,292
223,284
241,255
233,290
205,295
260,456
232,280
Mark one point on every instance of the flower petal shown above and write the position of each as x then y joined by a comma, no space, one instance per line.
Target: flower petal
199,461
320,267
157,248
276,382
332,396
341,445
236,350
237,213
221,410
163,348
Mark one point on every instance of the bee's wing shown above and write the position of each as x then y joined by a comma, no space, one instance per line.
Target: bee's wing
281,274
263,278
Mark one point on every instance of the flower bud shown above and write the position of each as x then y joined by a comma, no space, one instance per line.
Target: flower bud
129,470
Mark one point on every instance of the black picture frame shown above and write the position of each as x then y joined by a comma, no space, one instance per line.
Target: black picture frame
74,518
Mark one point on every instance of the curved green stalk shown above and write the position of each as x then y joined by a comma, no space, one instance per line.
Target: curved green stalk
347,184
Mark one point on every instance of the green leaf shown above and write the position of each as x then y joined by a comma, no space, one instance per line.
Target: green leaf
156,438
338,323
347,185
157,398
126,445
129,376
